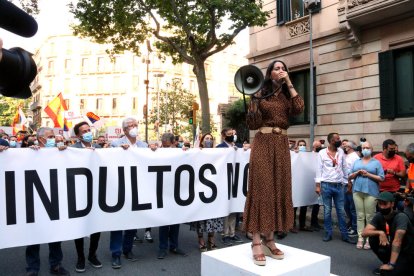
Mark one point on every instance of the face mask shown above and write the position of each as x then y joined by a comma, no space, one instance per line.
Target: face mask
60,144
366,152
35,142
229,139
87,137
385,211
102,144
180,145
318,149
410,160
133,132
391,154
346,151
302,148
50,143
235,138
208,144
338,143
12,144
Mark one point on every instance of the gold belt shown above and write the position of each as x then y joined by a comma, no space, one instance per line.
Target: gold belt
276,130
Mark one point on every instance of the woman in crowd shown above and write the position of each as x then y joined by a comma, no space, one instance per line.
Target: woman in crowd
209,226
270,181
366,173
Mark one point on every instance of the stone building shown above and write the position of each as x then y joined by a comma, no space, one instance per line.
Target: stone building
363,52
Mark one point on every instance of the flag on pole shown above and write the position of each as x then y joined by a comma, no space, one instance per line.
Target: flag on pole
56,110
19,121
95,120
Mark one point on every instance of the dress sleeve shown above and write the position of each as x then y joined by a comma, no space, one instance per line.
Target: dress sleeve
254,118
297,105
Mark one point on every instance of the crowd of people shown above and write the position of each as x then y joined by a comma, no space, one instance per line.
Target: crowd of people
370,192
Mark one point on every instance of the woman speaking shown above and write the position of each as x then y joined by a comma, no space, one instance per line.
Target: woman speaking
269,198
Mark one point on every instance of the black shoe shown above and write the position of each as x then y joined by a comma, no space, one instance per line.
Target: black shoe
162,253
59,270
226,241
376,271
327,237
349,240
178,251
281,235
306,229
80,265
236,239
116,262
130,256
93,261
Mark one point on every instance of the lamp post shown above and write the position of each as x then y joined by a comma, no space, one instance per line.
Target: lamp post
158,75
147,61
310,5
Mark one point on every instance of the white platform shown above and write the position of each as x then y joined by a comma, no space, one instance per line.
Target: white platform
237,260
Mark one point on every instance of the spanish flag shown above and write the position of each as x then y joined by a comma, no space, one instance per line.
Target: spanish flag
56,111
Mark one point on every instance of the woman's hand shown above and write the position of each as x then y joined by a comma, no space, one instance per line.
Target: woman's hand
283,75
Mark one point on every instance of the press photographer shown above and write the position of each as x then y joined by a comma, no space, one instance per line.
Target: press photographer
17,67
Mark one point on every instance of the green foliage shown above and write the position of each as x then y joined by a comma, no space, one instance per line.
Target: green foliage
187,31
175,105
8,109
236,118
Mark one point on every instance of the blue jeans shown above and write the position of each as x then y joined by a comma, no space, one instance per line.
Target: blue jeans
169,234
333,191
32,256
119,245
349,207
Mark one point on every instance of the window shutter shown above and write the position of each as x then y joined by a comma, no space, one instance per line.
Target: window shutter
280,10
387,84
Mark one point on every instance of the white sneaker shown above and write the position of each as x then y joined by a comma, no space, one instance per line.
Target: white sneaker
148,237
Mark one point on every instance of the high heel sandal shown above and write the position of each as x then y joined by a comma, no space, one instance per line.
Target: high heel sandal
257,257
275,253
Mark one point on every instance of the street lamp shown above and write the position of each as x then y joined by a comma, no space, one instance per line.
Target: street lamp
146,82
158,75
310,5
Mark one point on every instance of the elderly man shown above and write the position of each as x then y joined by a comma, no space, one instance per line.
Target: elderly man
391,237
329,183
123,243
83,133
46,138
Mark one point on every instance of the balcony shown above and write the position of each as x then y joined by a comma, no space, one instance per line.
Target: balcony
34,106
356,14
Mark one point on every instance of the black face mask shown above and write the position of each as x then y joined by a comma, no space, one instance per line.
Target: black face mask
229,139
391,154
318,149
338,143
386,211
410,160
346,151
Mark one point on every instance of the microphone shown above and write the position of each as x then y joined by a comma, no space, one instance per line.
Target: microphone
16,20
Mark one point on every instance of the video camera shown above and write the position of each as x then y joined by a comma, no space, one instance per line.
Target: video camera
17,67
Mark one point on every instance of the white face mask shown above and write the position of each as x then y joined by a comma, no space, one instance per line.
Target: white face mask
133,132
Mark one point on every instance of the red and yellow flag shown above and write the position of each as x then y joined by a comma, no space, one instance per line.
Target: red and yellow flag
19,121
56,110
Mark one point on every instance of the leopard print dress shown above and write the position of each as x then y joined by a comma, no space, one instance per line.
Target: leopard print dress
269,205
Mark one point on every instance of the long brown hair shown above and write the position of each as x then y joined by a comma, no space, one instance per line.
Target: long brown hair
202,139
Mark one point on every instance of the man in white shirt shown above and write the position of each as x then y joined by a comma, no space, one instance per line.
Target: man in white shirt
329,183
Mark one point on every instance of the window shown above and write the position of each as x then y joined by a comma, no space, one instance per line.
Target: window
84,85
396,74
101,64
66,86
100,86
114,103
82,104
69,47
51,67
300,80
68,65
134,103
288,10
135,83
84,65
117,84
99,102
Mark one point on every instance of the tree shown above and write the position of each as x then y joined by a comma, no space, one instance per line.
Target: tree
175,105
236,118
187,31
8,109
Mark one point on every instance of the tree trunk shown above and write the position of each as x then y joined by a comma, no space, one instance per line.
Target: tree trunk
200,73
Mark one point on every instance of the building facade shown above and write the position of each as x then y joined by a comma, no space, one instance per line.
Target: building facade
115,88
363,52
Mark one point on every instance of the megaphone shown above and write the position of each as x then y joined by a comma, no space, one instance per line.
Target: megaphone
248,80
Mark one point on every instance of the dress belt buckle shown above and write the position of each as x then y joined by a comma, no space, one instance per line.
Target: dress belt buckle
277,130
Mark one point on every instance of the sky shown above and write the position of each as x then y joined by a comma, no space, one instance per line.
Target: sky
54,18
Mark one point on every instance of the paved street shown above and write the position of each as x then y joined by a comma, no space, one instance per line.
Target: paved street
346,259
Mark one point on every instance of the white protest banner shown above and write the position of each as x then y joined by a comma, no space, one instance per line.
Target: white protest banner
50,195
